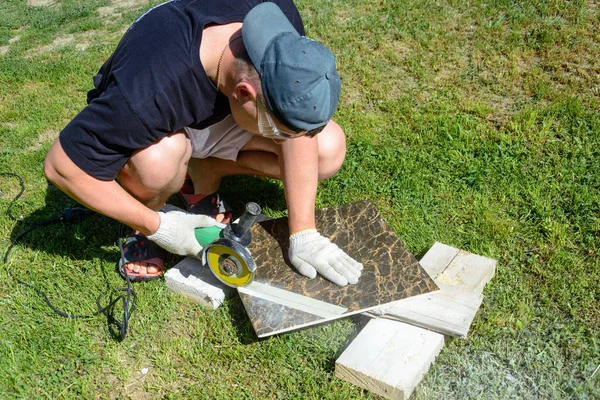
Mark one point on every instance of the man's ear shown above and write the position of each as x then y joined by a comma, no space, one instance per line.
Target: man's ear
244,91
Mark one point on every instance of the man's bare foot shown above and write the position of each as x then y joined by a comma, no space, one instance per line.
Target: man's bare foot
140,260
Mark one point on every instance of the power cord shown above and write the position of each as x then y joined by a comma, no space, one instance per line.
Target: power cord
72,215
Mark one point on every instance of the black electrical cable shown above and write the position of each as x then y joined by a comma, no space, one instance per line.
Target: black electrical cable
76,214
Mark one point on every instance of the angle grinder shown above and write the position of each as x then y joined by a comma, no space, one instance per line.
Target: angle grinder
225,248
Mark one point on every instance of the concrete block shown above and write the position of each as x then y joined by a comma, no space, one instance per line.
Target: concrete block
389,358
191,279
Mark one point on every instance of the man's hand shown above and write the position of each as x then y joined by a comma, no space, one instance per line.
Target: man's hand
311,253
176,232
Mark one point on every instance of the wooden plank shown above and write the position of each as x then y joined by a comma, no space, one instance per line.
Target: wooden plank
468,271
438,257
389,358
450,310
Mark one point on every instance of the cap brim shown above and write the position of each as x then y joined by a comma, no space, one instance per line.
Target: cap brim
261,25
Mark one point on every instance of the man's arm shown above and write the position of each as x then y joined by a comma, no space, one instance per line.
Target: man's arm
105,197
309,251
299,165
173,231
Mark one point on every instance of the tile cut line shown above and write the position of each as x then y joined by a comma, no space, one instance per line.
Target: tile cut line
292,300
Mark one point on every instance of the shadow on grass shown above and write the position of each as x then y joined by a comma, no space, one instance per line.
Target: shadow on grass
84,239
71,243
238,190
92,239
241,322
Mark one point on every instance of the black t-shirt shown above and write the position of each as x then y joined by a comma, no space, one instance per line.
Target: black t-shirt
154,84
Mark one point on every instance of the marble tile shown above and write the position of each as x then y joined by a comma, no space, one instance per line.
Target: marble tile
280,299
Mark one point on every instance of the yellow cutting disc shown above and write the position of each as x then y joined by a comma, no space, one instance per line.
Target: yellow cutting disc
230,262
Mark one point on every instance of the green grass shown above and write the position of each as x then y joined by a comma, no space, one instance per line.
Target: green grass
471,123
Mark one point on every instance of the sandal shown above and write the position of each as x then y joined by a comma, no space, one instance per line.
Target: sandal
139,248
205,204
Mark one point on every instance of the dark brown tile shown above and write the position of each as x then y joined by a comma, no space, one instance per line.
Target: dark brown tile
390,273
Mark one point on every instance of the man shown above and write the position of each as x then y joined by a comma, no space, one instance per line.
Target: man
208,88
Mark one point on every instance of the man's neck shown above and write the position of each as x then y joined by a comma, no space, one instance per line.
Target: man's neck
214,50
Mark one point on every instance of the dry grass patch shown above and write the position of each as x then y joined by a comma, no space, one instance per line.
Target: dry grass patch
14,39
80,41
46,136
9,186
41,3
112,11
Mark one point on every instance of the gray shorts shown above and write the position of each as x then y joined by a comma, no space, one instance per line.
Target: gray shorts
221,140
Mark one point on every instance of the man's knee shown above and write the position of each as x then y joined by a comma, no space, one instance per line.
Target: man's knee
158,167
332,150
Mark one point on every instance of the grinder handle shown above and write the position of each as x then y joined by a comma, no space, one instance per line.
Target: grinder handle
247,219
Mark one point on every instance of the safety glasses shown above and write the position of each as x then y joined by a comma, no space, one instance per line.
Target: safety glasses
266,125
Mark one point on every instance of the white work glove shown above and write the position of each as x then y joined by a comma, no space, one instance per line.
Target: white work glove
176,232
311,253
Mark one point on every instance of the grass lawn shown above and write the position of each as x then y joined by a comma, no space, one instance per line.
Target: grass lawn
471,123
